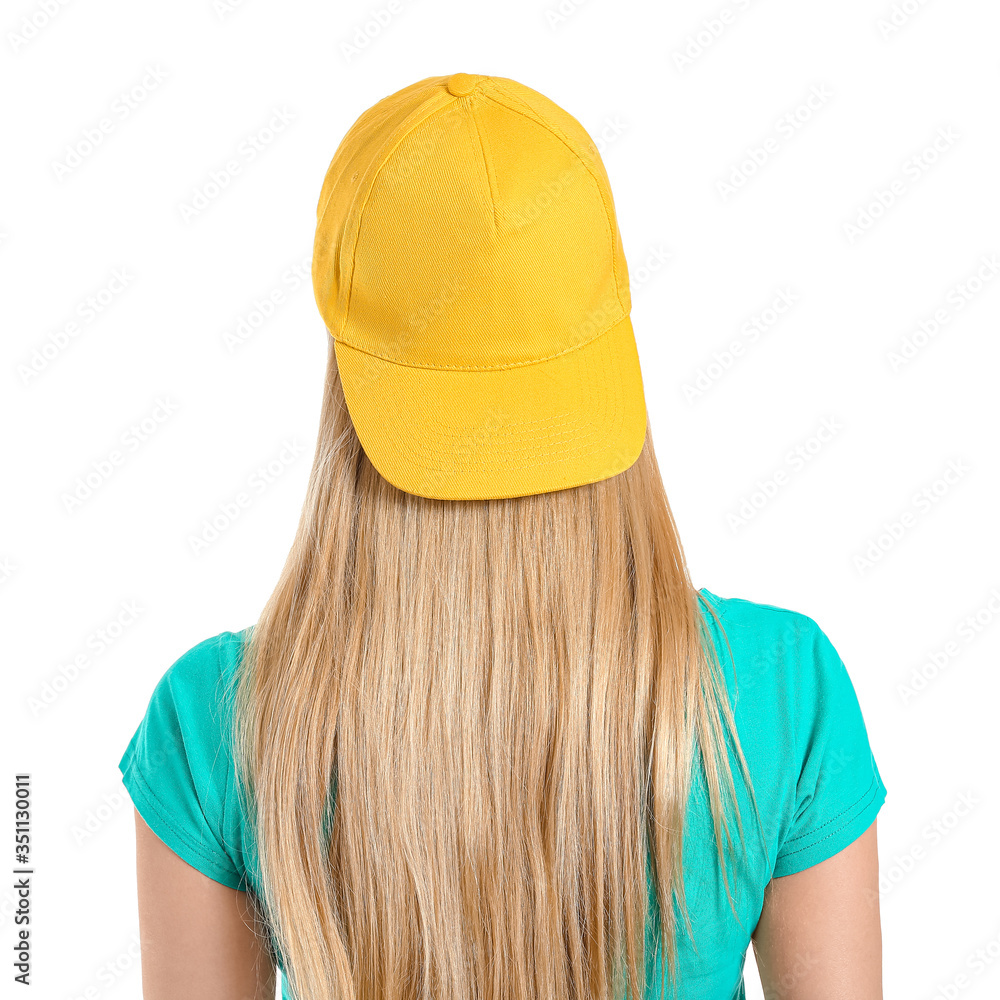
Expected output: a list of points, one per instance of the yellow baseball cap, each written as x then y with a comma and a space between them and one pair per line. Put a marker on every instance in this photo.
468, 265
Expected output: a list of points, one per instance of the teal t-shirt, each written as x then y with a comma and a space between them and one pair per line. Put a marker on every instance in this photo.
799, 722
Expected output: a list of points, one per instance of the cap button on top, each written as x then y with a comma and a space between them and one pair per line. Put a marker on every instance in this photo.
462, 84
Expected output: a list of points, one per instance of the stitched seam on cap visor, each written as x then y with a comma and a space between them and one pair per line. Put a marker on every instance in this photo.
557, 447
490, 461
513, 430
491, 368
511, 433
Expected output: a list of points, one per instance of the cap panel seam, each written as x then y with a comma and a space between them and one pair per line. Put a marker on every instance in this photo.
414, 129
488, 165
367, 120
528, 112
417, 128
495, 368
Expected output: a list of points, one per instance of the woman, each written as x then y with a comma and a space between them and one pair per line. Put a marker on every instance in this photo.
486, 739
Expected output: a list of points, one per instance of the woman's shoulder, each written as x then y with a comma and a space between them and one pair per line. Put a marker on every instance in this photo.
801, 727
177, 766
220, 652
202, 675
744, 613
197, 686
764, 631
778, 659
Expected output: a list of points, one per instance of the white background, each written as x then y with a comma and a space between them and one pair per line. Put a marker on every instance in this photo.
670, 134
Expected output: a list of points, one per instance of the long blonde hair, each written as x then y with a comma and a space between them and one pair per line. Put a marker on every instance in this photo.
467, 727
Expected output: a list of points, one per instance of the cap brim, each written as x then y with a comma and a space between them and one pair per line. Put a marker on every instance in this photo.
453, 434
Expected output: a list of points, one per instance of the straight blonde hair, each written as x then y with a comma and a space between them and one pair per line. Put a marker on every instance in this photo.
466, 728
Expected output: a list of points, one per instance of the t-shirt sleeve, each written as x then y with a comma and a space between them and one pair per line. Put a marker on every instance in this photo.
177, 767
838, 791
